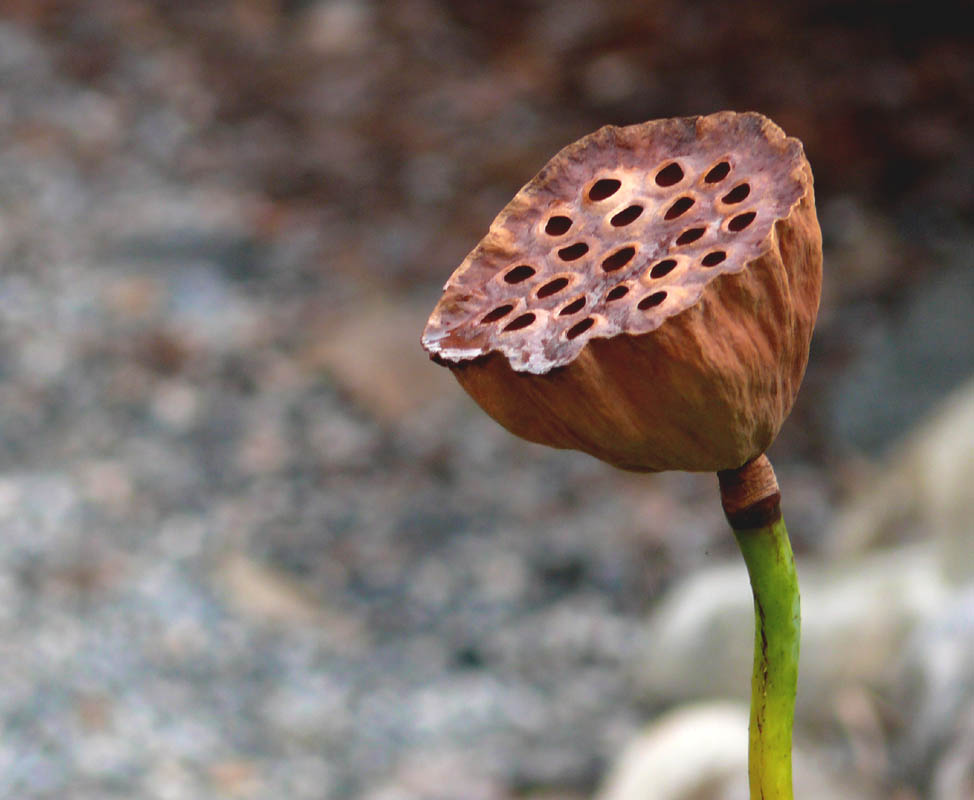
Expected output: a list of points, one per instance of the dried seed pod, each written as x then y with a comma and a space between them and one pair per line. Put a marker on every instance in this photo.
648, 297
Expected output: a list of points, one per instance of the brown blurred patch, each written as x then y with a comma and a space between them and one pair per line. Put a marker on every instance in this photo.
372, 351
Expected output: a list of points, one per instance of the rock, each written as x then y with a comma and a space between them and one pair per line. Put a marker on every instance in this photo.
439, 775
924, 487
264, 594
694, 752
234, 778
954, 775
931, 690
699, 752
856, 619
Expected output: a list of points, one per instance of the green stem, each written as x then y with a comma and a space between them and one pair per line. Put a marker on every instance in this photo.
751, 502
771, 567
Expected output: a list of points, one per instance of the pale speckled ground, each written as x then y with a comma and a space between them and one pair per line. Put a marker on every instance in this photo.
251, 543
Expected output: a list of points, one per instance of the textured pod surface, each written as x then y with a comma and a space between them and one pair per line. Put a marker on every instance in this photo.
648, 297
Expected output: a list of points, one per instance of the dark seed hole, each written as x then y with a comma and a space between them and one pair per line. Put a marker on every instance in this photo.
669, 175
556, 226
552, 287
519, 274
663, 268
615, 294
603, 188
573, 307
736, 194
619, 259
713, 259
689, 235
718, 173
573, 252
498, 313
652, 300
521, 322
627, 216
580, 327
741, 221
679, 208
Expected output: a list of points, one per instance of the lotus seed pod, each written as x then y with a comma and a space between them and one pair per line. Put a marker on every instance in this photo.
648, 297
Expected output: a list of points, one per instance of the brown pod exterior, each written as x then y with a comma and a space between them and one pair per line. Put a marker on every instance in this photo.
648, 297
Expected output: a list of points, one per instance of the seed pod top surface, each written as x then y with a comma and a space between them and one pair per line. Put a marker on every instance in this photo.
644, 269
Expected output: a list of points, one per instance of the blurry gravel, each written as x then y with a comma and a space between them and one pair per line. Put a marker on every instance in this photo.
251, 543
220, 578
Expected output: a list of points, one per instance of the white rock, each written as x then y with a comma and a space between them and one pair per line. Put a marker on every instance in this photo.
932, 691
699, 752
856, 619
687, 753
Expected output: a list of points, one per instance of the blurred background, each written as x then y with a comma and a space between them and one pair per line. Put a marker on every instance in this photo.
253, 544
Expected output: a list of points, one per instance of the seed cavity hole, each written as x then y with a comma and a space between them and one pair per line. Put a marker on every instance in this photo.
679, 208
573, 307
552, 287
558, 226
741, 221
717, 173
519, 274
579, 328
573, 252
670, 174
714, 258
617, 293
651, 301
690, 235
521, 322
626, 217
737, 194
618, 259
601, 189
665, 267
498, 313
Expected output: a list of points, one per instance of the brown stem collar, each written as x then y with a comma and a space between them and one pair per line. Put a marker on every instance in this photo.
750, 495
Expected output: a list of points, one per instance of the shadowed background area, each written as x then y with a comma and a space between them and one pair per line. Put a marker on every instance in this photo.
253, 544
